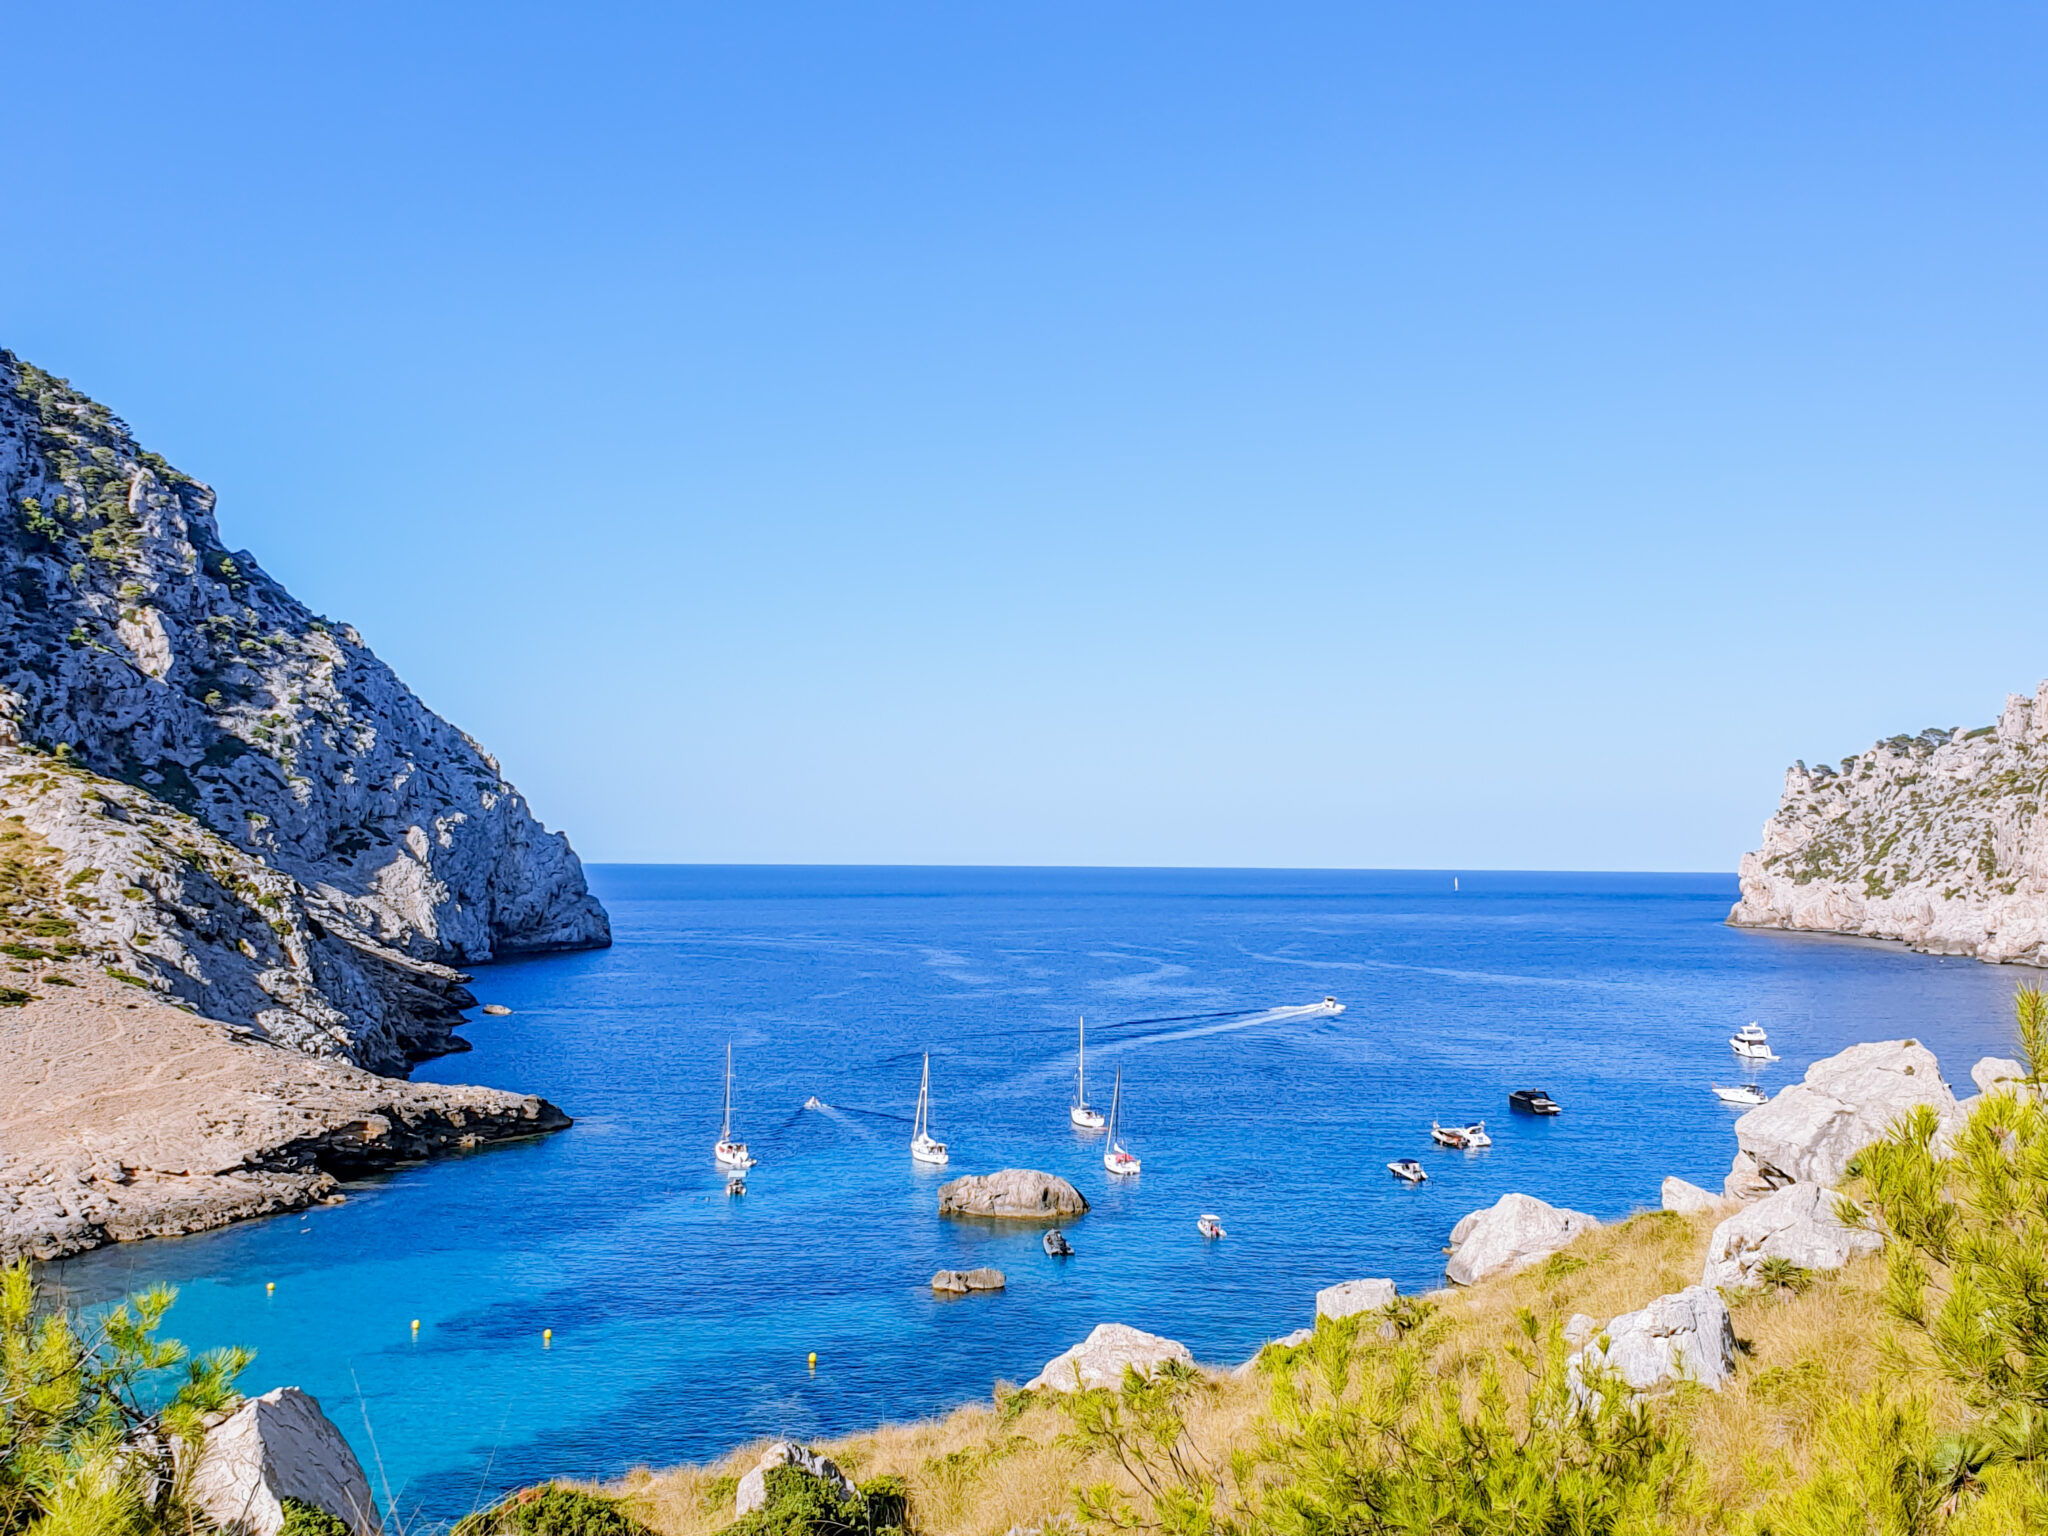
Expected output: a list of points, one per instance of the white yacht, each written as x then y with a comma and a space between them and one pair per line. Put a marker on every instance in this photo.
1751, 1042
1083, 1117
1475, 1135
1409, 1169
729, 1153
1747, 1095
1116, 1159
1210, 1225
922, 1147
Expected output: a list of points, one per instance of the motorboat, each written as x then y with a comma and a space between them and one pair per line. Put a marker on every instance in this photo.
1447, 1135
1116, 1159
736, 1185
1057, 1246
1475, 1135
1083, 1117
1534, 1101
922, 1147
1752, 1043
1409, 1169
728, 1153
1747, 1094
814, 1102
1329, 1007
1210, 1226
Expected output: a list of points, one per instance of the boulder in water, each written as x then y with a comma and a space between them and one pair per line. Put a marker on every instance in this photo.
958, 1282
1022, 1194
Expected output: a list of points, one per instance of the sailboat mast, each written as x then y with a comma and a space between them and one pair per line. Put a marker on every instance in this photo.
726, 1134
1081, 1069
1116, 1099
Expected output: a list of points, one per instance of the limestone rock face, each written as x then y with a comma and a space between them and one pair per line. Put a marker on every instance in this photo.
292, 839
1809, 1132
1016, 1193
1686, 1199
275, 1447
960, 1281
1099, 1359
1686, 1336
1513, 1233
1354, 1296
2001, 1074
753, 1490
1797, 1224
1936, 840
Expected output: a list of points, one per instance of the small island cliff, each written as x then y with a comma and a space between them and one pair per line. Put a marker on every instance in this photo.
220, 808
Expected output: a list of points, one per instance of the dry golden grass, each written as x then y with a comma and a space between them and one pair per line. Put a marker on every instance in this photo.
974, 1473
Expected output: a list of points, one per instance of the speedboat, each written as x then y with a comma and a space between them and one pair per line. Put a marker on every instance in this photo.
728, 1153
1210, 1226
1057, 1246
1084, 1118
922, 1147
814, 1102
1116, 1159
1475, 1135
1409, 1169
1447, 1135
1747, 1094
1752, 1043
1329, 1007
1533, 1101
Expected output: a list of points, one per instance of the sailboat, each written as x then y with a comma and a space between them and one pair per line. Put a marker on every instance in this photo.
1116, 1159
730, 1153
1079, 1112
922, 1147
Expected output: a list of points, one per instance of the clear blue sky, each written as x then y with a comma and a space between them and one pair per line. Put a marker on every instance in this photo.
1443, 436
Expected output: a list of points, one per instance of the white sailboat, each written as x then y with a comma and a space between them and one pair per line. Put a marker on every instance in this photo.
1116, 1159
729, 1153
922, 1147
1079, 1112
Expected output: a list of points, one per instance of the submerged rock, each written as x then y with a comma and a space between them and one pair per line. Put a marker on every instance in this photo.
1810, 1131
1513, 1233
1686, 1336
1099, 1359
753, 1490
1018, 1193
1797, 1224
960, 1281
275, 1447
1354, 1296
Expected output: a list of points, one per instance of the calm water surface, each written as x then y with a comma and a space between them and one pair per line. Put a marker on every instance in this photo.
682, 1319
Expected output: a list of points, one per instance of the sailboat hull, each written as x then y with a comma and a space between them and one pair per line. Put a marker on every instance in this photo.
1120, 1162
1087, 1119
729, 1154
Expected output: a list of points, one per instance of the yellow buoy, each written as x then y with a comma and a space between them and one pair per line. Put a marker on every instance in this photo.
270, 1287
415, 1325
547, 1337
814, 1359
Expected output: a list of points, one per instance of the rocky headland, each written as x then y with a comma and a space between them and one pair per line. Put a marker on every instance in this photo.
1935, 840
241, 864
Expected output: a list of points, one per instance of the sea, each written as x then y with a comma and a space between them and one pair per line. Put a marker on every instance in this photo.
594, 1301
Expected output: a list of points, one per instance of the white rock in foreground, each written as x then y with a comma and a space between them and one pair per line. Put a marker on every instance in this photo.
275, 1447
1510, 1234
1686, 1336
1809, 1132
1797, 1224
2000, 1074
1099, 1359
753, 1490
1354, 1296
1687, 1199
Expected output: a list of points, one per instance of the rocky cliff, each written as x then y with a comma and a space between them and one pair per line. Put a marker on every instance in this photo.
230, 797
1935, 839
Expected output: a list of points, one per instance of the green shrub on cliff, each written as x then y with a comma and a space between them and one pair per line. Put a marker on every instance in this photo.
552, 1510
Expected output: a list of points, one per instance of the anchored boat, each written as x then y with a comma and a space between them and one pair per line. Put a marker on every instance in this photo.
1752, 1043
729, 1153
1533, 1101
1210, 1226
1409, 1169
1056, 1245
1116, 1159
1746, 1094
1079, 1112
922, 1147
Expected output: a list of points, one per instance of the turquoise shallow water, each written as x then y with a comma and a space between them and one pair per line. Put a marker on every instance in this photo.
682, 1320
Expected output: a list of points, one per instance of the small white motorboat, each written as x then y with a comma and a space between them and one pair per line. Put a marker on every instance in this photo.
1056, 1245
1329, 1007
728, 1153
1752, 1043
1210, 1226
922, 1147
1748, 1095
814, 1102
1409, 1169
736, 1185
1475, 1135
1447, 1135
1084, 1118
1116, 1159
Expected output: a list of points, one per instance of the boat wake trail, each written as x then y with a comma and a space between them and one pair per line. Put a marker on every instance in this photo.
1264, 1016
841, 1111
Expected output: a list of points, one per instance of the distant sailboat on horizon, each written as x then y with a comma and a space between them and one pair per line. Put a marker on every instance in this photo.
1085, 1118
729, 1153
922, 1147
1116, 1159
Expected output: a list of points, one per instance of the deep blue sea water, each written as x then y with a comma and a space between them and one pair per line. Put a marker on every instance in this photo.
682, 1319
